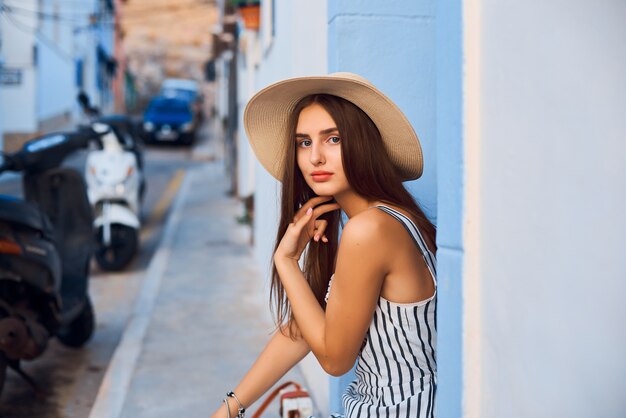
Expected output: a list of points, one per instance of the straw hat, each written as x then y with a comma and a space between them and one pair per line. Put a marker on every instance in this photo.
267, 114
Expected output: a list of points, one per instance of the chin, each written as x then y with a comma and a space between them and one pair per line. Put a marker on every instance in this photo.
328, 189
323, 189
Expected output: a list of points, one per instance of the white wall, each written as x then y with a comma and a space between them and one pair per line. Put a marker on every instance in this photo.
85, 41
18, 101
47, 88
247, 63
546, 173
298, 48
55, 67
18, 105
17, 40
85, 50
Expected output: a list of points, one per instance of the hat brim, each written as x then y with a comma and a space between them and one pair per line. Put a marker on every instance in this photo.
267, 114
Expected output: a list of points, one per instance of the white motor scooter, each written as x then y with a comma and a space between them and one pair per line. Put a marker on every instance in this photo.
114, 188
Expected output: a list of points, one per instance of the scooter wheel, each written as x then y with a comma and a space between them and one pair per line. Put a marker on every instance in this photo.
77, 333
114, 257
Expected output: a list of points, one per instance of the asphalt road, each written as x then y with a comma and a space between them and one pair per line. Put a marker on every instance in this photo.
70, 378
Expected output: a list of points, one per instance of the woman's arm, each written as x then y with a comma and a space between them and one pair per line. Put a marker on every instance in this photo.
336, 336
280, 354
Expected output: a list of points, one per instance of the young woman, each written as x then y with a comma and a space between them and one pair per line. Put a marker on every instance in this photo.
338, 144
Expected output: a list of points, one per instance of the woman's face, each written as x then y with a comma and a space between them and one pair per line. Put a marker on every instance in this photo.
318, 152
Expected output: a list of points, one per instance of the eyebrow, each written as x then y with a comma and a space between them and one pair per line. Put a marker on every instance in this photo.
322, 132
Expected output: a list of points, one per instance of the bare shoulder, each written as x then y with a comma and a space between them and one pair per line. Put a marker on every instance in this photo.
368, 227
380, 227
364, 254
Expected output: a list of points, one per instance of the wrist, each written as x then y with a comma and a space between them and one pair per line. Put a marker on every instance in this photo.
232, 407
282, 261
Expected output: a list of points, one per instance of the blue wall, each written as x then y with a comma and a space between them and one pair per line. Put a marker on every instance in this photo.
393, 45
450, 207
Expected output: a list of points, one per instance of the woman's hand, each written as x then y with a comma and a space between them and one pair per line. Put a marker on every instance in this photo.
305, 226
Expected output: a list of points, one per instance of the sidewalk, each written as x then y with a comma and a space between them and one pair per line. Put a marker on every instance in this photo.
201, 317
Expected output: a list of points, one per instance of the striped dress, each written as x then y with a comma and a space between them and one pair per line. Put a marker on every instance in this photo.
396, 369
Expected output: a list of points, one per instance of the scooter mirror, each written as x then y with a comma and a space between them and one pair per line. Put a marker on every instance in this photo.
100, 128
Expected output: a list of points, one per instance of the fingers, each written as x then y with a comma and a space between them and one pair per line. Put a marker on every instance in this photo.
307, 218
320, 228
317, 200
319, 210
300, 222
314, 228
322, 209
321, 223
311, 203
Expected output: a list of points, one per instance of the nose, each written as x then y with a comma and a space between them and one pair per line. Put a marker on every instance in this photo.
316, 157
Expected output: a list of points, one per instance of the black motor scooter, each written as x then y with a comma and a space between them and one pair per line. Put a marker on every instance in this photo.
46, 242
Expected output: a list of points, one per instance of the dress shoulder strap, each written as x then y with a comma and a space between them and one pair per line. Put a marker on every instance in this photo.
415, 233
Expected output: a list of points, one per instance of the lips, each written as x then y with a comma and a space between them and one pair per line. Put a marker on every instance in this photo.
321, 176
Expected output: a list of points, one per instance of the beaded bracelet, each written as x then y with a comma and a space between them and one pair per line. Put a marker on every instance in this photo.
241, 413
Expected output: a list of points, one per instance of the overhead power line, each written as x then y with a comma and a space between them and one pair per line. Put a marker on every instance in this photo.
44, 15
134, 15
88, 21
34, 31
126, 11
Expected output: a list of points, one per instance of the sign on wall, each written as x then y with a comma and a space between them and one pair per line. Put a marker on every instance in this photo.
10, 76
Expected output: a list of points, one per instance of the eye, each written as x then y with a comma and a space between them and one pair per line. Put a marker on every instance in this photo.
334, 140
304, 143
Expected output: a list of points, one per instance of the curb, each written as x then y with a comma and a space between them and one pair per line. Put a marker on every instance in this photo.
113, 389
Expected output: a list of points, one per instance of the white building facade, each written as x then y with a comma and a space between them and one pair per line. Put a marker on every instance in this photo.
51, 50
292, 42
19, 78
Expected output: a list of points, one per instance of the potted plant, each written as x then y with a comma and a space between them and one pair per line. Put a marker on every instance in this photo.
250, 12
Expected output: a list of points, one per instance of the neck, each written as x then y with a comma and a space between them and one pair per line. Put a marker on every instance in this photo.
353, 204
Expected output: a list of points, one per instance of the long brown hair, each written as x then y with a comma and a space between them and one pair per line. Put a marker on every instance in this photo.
370, 173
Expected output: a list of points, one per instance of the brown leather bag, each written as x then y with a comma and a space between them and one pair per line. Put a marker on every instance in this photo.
294, 403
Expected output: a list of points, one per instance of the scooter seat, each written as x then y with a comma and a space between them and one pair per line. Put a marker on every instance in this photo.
18, 211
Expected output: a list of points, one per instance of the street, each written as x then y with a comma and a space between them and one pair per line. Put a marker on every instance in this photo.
70, 378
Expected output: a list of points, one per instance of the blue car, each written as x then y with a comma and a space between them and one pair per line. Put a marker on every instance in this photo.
170, 119
185, 89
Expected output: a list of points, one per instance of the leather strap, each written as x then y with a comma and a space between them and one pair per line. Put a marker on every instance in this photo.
271, 397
